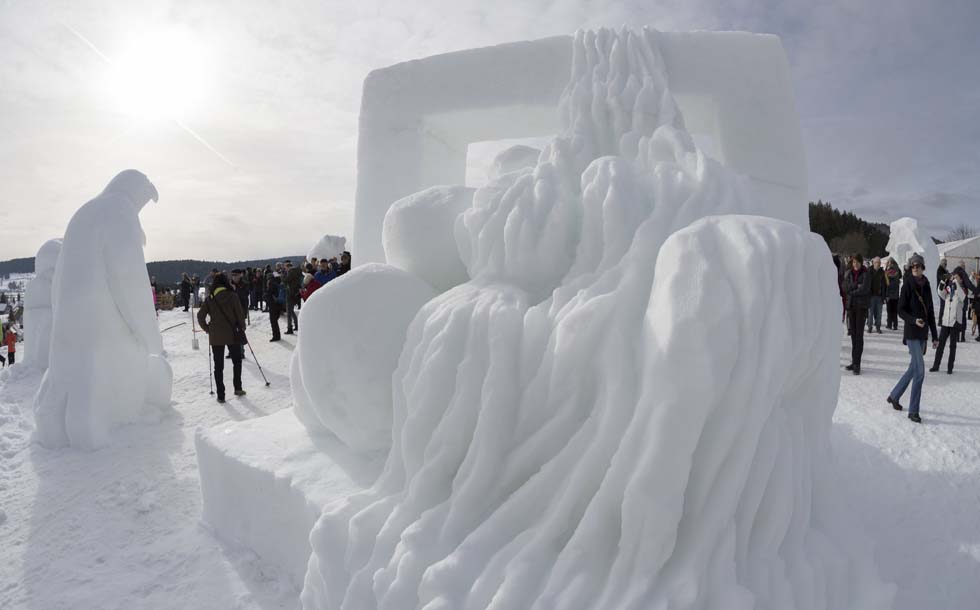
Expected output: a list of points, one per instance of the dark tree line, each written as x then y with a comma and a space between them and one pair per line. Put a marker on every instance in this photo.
166, 272
846, 233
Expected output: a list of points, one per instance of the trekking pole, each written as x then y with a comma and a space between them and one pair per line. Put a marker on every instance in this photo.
194, 343
257, 362
210, 375
171, 327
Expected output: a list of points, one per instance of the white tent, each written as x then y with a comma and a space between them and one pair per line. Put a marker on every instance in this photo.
964, 249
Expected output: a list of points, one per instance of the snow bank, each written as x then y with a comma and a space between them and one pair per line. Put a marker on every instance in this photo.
329, 246
105, 358
418, 235
37, 304
609, 415
351, 332
265, 481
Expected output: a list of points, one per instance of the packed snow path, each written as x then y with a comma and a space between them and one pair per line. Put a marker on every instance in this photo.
915, 488
120, 528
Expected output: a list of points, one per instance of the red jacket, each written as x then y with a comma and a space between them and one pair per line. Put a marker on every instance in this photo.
10, 339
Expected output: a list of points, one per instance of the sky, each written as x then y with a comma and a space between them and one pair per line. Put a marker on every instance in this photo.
244, 114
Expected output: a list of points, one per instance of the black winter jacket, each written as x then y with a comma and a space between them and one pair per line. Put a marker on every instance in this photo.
272, 291
858, 292
877, 280
893, 284
916, 303
241, 291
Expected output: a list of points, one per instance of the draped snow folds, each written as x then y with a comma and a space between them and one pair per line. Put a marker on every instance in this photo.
626, 403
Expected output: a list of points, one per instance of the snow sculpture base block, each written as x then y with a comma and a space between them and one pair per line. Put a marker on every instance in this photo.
265, 482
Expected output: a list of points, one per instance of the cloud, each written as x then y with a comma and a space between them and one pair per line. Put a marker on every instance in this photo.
885, 92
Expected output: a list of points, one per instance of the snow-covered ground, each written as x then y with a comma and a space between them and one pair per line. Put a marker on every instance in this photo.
915, 488
120, 527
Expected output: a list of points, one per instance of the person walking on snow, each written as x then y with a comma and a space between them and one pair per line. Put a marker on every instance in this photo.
10, 342
915, 309
185, 290
273, 304
953, 295
969, 288
893, 287
878, 286
294, 283
857, 287
222, 318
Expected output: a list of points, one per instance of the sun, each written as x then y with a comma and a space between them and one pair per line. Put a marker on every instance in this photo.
164, 74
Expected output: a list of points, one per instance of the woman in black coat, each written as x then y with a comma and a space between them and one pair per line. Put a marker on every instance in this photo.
857, 288
915, 308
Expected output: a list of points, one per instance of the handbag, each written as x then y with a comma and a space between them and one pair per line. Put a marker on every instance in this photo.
925, 310
237, 332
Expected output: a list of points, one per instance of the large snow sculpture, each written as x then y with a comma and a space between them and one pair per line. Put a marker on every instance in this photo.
417, 118
351, 333
37, 304
106, 362
622, 409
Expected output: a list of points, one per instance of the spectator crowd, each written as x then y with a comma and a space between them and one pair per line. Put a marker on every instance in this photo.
907, 295
224, 312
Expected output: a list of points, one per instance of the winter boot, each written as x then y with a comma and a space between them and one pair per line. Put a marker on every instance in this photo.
895, 404
915, 417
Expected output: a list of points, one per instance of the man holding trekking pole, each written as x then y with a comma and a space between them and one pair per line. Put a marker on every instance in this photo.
222, 318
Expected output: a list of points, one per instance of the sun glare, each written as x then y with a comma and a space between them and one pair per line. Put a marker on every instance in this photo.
160, 75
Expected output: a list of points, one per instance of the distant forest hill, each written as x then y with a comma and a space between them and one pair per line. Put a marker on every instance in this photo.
846, 233
166, 272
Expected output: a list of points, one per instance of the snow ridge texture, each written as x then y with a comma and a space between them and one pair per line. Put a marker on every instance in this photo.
608, 414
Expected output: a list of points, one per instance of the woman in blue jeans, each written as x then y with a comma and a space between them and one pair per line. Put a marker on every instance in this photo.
915, 308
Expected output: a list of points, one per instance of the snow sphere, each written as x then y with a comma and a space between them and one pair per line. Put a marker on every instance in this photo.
352, 332
418, 235
513, 159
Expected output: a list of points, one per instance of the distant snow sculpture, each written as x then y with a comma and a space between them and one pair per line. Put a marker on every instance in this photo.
106, 362
37, 304
907, 238
512, 159
608, 414
329, 246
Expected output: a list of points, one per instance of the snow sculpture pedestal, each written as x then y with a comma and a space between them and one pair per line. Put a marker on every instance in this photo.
265, 482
